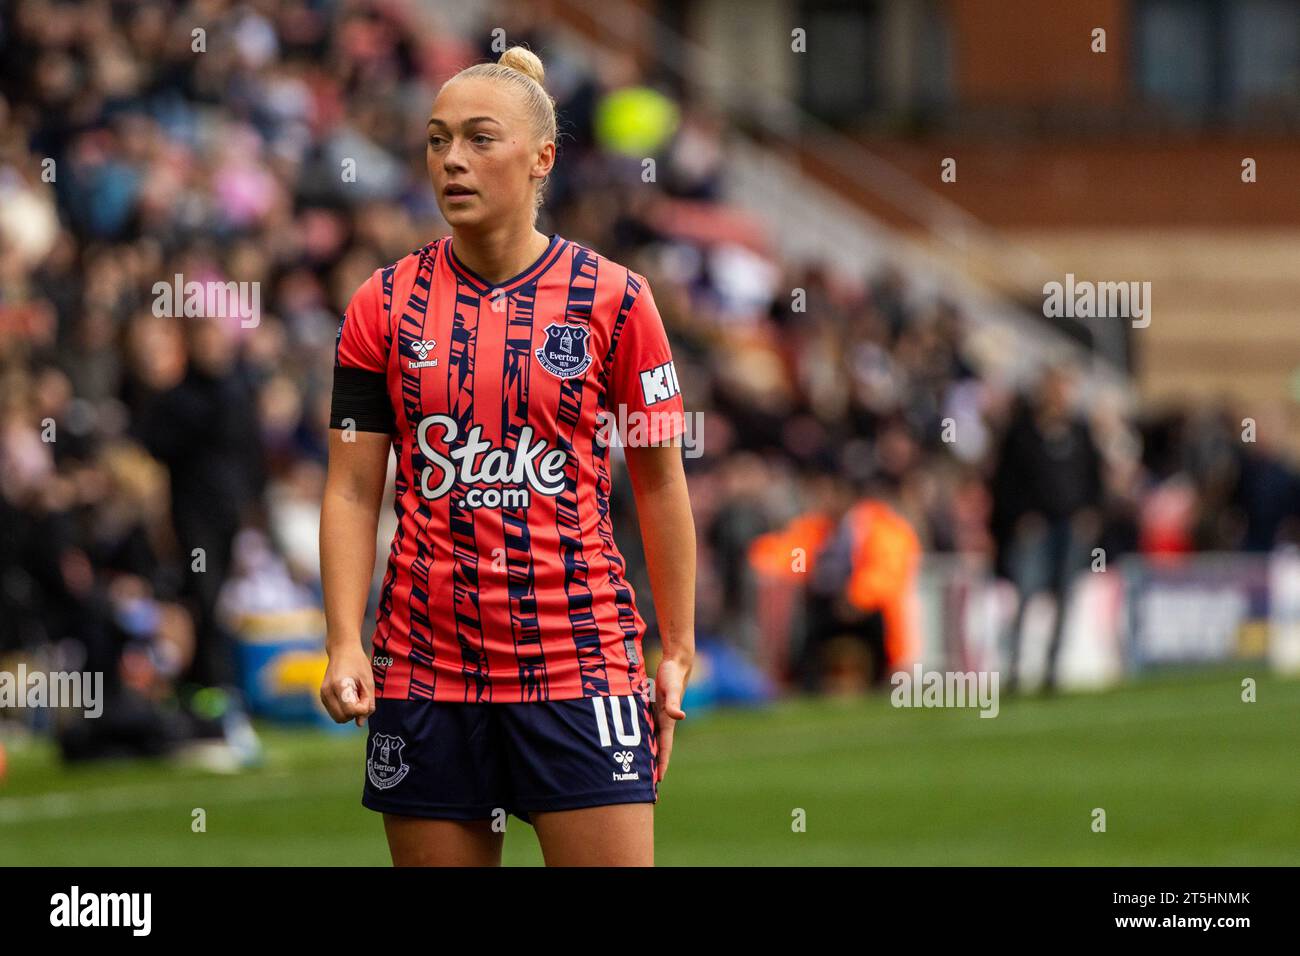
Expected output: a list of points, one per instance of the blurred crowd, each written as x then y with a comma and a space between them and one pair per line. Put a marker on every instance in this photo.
159, 475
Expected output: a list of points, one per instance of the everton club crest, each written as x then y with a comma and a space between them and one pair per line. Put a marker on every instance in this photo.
385, 767
564, 354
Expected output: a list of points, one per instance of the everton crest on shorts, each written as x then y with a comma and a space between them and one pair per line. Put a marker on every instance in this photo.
564, 354
384, 766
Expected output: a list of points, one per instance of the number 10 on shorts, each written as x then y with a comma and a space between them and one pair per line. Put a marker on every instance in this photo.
611, 707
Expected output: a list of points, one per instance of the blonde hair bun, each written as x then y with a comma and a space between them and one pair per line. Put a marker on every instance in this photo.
525, 61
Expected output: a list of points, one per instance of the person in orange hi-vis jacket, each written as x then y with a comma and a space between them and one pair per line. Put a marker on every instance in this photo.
886, 556
781, 560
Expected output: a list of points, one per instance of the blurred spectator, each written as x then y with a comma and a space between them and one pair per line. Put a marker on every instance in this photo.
204, 431
1047, 488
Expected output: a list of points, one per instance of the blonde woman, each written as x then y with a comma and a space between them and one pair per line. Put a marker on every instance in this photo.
507, 672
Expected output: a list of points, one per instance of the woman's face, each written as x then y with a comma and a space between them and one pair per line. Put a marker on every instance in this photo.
482, 156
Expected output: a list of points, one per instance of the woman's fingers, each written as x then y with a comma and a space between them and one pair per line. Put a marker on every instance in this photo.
672, 699
367, 695
352, 701
668, 715
358, 698
665, 747
329, 697
347, 698
348, 693
365, 699
668, 710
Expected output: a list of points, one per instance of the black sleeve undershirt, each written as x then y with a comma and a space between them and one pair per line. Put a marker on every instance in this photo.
362, 396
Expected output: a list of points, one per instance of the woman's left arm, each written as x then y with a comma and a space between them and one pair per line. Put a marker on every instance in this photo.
663, 508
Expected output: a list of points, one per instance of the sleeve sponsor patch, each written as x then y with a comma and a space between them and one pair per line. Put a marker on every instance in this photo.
659, 383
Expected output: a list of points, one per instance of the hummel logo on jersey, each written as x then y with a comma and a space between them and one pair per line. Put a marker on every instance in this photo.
564, 354
476, 463
659, 383
422, 350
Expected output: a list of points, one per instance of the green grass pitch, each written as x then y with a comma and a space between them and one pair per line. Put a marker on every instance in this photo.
1186, 772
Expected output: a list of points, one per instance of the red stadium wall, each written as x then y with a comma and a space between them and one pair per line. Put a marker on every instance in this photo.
1030, 53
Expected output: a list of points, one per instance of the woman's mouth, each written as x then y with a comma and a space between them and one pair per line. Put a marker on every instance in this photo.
457, 193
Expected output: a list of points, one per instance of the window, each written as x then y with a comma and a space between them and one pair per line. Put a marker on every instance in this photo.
1218, 59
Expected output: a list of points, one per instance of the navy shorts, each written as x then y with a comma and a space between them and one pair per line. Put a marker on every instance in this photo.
459, 761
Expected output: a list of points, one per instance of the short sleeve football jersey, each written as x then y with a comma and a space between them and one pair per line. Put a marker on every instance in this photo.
504, 582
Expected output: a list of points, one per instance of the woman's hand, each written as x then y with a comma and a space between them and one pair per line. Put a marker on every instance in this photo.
348, 690
670, 684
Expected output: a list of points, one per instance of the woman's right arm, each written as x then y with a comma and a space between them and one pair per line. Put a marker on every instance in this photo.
349, 522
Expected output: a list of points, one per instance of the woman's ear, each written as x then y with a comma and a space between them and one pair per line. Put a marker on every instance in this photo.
545, 161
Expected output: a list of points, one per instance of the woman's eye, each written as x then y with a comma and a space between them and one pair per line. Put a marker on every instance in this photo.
479, 139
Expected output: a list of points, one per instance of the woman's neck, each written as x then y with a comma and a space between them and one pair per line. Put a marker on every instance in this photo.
498, 254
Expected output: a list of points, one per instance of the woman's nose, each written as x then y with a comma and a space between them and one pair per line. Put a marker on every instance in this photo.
452, 158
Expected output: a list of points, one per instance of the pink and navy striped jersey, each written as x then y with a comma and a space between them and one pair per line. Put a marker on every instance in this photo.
504, 582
